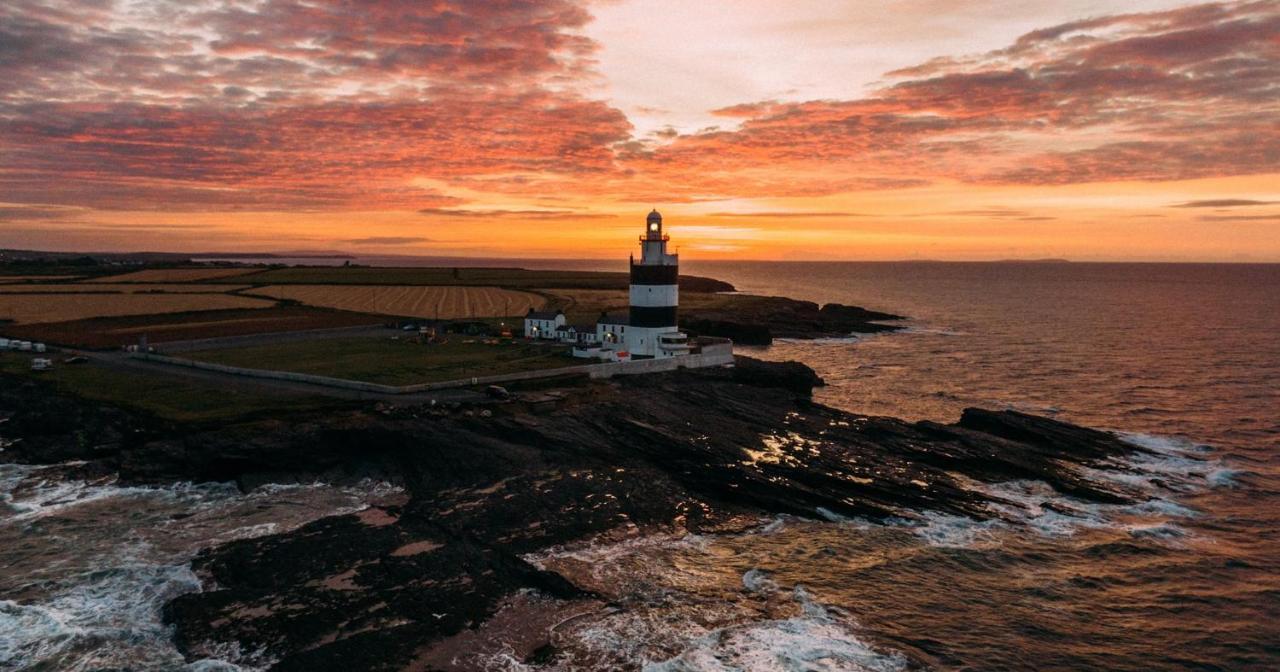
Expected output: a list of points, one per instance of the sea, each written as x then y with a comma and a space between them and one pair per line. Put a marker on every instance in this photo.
1181, 359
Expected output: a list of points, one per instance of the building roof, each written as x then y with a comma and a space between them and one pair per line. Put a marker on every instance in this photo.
614, 318
542, 314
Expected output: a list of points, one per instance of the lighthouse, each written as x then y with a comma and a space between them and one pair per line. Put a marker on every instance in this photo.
649, 329
655, 292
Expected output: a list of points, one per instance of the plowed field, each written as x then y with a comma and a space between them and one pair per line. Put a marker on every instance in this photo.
433, 302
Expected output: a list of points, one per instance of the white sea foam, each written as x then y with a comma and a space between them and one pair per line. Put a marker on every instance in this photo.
99, 605
1035, 505
936, 331
601, 556
117, 604
1163, 444
1157, 531
826, 340
775, 525
813, 640
757, 580
1224, 478
950, 531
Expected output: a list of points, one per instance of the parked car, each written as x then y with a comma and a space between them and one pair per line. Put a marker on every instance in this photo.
497, 392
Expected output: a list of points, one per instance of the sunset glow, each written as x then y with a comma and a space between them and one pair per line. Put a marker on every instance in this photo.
526, 128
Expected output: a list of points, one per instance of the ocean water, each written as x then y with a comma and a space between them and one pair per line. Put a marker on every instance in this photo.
1181, 359
85, 567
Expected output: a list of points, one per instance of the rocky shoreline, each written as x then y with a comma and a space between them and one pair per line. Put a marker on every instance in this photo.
400, 584
757, 320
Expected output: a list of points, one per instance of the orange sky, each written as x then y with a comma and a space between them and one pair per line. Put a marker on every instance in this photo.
807, 130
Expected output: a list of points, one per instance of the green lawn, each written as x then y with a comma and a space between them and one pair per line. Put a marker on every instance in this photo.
173, 397
393, 362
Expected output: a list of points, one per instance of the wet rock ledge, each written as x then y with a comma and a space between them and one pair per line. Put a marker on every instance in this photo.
396, 586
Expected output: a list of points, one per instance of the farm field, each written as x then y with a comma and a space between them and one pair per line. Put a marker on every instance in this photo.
393, 362
428, 302
113, 332
178, 275
514, 278
37, 308
502, 277
118, 288
587, 304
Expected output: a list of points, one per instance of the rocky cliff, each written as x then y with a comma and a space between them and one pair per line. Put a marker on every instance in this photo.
697, 451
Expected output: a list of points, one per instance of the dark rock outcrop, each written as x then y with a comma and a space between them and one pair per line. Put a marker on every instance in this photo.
740, 332
697, 283
791, 376
700, 450
757, 320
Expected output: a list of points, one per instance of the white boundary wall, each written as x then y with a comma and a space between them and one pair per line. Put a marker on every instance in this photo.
715, 354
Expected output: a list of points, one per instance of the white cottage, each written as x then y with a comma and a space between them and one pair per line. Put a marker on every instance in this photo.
543, 324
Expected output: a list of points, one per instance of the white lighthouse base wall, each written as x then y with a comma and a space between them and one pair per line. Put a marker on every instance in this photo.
720, 354
644, 341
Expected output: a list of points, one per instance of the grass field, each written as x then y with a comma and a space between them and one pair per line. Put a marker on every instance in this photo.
177, 275
118, 288
168, 396
429, 302
37, 308
393, 362
501, 277
113, 332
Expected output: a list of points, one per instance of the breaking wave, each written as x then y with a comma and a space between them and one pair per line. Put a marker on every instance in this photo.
816, 639
86, 594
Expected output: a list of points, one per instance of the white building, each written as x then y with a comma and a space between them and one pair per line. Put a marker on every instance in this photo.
577, 334
543, 324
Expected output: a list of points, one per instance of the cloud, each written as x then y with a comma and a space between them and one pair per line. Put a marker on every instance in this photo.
1222, 203
286, 105
386, 240
514, 214
786, 214
225, 105
22, 213
1180, 94
1240, 218
990, 212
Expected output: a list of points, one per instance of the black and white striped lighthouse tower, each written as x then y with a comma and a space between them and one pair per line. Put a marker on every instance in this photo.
655, 296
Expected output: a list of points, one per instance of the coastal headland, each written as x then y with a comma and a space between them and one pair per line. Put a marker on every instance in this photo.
408, 583
489, 481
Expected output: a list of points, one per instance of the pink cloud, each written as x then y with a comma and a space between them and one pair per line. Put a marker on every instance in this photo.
339, 104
